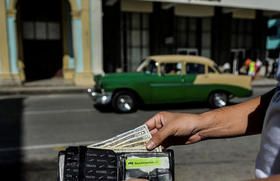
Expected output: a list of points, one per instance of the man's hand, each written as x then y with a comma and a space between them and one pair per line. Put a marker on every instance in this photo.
173, 129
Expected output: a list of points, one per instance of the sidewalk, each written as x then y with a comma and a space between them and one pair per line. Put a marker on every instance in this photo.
264, 82
48, 86
59, 86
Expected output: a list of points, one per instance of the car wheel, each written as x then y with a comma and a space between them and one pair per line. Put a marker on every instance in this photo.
218, 99
124, 102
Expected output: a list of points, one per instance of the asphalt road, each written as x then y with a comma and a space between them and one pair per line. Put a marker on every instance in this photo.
34, 128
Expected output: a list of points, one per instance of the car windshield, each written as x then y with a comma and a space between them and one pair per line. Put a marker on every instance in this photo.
217, 68
148, 66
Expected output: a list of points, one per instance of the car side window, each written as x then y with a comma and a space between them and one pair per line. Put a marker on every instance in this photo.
195, 68
170, 68
210, 70
151, 67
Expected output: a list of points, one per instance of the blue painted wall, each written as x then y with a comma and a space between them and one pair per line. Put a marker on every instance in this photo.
78, 45
7, 4
0, 66
91, 35
12, 44
79, 3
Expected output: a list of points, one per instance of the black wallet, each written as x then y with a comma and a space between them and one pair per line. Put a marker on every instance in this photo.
90, 164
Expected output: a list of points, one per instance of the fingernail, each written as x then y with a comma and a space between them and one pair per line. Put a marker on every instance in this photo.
150, 145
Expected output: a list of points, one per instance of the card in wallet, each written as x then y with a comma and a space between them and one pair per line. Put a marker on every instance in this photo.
90, 164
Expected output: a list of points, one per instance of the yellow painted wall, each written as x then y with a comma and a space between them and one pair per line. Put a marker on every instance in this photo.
86, 36
136, 6
4, 49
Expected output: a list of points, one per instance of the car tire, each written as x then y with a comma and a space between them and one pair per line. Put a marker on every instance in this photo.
124, 102
218, 99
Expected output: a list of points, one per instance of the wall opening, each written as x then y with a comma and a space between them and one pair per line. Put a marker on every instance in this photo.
40, 26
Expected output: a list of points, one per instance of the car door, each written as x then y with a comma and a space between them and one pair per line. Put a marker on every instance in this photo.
167, 85
193, 91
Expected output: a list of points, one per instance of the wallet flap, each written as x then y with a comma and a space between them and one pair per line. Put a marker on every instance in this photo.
154, 166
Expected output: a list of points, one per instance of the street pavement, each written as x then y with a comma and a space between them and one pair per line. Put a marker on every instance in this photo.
34, 128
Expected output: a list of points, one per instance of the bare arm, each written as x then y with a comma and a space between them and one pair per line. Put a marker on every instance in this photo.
241, 119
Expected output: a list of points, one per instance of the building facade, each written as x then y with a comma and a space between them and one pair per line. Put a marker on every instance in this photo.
44, 39
223, 30
76, 39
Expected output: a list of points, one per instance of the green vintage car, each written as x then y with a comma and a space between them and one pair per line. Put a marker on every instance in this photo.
169, 79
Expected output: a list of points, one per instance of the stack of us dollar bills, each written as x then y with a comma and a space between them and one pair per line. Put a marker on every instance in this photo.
134, 140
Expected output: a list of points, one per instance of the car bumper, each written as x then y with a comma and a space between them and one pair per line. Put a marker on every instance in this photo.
99, 98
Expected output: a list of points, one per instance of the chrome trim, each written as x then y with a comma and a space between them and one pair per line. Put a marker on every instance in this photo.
100, 98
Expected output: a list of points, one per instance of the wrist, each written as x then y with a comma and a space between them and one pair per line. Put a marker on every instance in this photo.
206, 122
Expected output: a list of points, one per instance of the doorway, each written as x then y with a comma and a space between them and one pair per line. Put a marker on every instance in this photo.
237, 59
40, 24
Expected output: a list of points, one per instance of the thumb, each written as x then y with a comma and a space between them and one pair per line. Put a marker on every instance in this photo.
158, 138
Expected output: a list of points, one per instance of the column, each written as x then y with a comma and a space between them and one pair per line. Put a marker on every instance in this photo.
11, 25
162, 35
83, 72
259, 35
96, 36
78, 42
111, 39
86, 35
221, 36
4, 49
67, 33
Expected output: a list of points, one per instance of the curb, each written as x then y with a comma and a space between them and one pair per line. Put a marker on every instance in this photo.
41, 91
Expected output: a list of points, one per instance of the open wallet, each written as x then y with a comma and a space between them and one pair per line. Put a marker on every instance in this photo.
91, 164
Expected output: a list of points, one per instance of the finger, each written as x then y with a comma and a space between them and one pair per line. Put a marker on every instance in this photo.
153, 131
151, 123
193, 139
154, 122
158, 138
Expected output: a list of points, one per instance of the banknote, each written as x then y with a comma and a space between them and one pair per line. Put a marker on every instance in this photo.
137, 135
135, 150
138, 145
134, 140
115, 138
144, 138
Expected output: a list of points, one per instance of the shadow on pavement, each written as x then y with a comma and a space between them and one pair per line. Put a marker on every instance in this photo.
161, 107
45, 170
10, 138
12, 166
